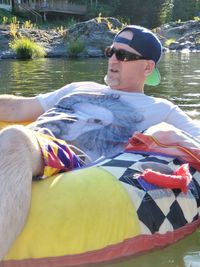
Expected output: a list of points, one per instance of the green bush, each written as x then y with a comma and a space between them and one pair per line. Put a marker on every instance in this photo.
75, 47
26, 48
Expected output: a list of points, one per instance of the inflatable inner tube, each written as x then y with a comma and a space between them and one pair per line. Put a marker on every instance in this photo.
104, 212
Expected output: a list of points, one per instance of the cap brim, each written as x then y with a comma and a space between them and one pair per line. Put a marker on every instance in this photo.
154, 78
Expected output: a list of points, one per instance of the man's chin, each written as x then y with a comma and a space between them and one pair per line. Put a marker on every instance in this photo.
113, 83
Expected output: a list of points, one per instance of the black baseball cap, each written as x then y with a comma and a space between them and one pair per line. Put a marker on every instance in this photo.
147, 44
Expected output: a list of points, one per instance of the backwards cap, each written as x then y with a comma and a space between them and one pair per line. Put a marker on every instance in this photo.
146, 44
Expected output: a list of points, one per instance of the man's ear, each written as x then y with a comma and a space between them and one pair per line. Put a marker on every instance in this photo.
149, 67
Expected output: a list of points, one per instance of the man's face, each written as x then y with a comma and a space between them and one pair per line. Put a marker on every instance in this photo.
126, 75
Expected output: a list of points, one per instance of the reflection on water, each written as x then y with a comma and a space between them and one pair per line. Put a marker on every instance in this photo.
42, 75
180, 84
192, 260
180, 81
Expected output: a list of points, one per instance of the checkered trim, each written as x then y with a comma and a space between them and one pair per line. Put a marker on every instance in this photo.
159, 210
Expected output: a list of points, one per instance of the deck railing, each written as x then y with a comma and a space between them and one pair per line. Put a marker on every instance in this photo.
34, 13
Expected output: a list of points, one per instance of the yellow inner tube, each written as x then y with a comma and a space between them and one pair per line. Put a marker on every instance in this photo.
76, 212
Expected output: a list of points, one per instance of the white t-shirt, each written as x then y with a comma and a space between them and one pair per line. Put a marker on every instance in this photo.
100, 120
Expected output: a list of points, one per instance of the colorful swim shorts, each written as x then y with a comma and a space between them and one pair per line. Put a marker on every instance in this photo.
57, 155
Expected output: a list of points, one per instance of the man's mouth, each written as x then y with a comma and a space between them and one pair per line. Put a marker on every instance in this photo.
113, 70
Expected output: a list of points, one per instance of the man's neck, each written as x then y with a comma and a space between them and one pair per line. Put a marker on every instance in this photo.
129, 90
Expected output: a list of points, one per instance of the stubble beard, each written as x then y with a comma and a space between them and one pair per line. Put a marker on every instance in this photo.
113, 83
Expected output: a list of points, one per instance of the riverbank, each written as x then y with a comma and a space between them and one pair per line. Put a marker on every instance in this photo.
96, 34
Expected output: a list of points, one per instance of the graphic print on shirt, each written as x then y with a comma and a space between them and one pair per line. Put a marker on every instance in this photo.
99, 124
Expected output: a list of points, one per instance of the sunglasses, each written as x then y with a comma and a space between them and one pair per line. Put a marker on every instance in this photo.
121, 55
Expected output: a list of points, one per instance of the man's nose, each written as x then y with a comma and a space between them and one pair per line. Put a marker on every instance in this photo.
113, 58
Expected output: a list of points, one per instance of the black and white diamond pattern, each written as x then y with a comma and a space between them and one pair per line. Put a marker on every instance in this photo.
159, 210
148, 211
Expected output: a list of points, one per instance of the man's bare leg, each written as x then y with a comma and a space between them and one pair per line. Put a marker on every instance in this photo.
20, 159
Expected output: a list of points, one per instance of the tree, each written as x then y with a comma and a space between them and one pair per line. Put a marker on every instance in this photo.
184, 9
13, 5
197, 8
146, 14
166, 11
149, 13
106, 8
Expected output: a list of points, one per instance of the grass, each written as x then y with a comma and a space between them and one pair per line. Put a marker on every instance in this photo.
26, 48
75, 48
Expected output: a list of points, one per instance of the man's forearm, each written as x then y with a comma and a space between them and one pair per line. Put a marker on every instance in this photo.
8, 107
18, 108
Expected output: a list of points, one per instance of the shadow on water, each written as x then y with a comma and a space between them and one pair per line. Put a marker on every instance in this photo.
180, 84
184, 253
181, 254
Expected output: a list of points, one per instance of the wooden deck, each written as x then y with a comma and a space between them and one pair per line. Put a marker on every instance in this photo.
57, 6
39, 9
65, 8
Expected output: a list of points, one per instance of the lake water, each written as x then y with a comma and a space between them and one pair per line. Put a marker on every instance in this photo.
180, 83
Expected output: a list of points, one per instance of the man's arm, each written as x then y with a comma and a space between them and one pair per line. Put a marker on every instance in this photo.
179, 119
18, 108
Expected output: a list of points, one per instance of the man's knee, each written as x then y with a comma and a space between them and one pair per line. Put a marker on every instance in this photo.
10, 131
19, 139
13, 136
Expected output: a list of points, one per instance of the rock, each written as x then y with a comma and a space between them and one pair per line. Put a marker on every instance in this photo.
174, 46
8, 55
198, 47
186, 35
4, 41
95, 34
94, 52
56, 53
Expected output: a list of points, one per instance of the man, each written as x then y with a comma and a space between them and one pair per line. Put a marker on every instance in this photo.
95, 118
